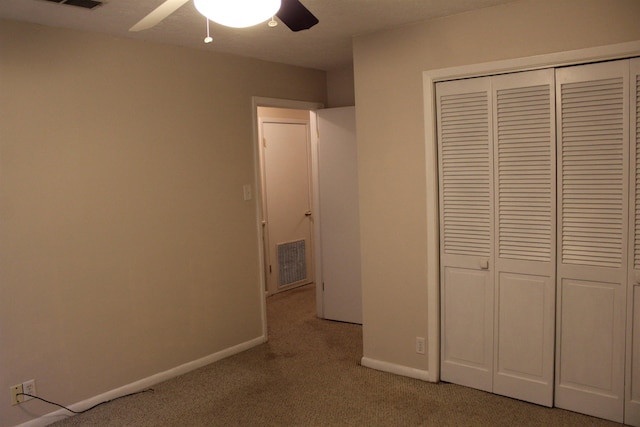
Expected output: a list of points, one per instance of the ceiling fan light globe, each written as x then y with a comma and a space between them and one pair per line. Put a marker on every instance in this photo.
237, 13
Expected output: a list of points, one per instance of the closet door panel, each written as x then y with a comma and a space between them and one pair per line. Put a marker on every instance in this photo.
466, 231
525, 211
466, 348
521, 299
588, 313
593, 144
632, 401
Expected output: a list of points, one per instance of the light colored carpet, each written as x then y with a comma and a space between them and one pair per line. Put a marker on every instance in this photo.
308, 374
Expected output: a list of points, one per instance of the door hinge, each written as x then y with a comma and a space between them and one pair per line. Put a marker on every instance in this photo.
322, 286
269, 269
264, 142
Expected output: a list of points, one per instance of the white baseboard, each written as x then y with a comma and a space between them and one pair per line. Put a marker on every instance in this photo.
392, 368
144, 383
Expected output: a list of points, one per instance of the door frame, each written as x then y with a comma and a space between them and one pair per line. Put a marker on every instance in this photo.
257, 101
429, 79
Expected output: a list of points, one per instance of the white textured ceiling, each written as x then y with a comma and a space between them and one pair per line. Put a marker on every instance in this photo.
326, 46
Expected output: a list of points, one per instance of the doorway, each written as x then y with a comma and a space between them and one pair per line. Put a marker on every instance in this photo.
287, 221
334, 223
274, 103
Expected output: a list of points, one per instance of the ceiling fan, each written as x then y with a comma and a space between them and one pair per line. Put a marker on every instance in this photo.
291, 12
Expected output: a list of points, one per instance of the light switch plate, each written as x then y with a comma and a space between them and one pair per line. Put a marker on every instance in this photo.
246, 192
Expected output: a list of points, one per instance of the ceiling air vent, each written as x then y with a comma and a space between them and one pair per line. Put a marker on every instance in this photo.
87, 4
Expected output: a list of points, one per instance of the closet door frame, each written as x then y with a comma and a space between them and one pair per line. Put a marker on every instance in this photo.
430, 78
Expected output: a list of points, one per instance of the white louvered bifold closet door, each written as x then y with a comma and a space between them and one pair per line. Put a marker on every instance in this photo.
593, 176
632, 401
525, 211
496, 140
466, 231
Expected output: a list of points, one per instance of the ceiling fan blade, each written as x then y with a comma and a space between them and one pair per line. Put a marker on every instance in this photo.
158, 14
295, 16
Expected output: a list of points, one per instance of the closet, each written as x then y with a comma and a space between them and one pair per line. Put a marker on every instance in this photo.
539, 253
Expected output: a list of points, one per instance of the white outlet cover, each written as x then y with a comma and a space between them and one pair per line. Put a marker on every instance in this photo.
29, 387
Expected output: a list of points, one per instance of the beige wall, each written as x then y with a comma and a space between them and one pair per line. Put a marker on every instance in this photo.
126, 248
340, 88
391, 139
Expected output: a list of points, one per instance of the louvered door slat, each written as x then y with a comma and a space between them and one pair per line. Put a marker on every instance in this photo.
524, 171
581, 181
466, 174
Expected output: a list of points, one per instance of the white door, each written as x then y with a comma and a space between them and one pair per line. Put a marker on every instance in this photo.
525, 210
286, 180
497, 195
632, 401
594, 268
339, 215
465, 155
593, 178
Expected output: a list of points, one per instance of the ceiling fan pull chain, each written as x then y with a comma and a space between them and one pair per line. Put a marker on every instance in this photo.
208, 39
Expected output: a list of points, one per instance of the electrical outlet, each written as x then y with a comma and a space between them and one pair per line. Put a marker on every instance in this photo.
15, 398
29, 387
420, 345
